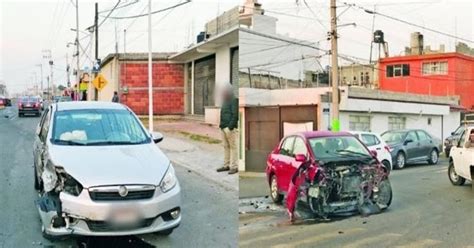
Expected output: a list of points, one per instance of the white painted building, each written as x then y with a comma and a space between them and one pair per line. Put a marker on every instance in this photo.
360, 110
264, 52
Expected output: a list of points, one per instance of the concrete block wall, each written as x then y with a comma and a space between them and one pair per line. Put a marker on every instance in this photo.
168, 87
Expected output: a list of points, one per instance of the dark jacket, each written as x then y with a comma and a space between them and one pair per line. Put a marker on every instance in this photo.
115, 98
229, 114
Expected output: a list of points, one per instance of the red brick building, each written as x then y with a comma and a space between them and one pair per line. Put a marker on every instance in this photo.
442, 74
128, 75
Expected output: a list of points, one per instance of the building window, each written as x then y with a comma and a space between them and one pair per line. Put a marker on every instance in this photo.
435, 68
396, 123
359, 123
399, 70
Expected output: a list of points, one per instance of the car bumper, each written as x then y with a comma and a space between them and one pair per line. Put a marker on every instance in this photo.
89, 218
29, 111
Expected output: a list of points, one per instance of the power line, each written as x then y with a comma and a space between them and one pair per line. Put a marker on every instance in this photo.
120, 7
153, 12
110, 12
409, 23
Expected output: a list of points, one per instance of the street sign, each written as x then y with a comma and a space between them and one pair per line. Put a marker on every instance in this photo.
96, 67
100, 82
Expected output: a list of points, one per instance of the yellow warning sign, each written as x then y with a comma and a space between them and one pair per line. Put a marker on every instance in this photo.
100, 82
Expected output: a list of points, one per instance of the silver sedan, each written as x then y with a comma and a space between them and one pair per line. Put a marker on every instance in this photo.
99, 173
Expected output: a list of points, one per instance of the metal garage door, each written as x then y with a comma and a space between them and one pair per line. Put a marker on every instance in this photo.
264, 129
204, 83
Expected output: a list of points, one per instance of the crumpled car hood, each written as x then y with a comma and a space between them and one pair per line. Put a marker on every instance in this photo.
111, 165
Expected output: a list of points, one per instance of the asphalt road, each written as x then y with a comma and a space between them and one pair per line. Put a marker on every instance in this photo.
427, 211
209, 212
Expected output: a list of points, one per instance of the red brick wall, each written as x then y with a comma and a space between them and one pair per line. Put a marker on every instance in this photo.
168, 87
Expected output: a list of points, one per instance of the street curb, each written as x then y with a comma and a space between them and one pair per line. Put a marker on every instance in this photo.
252, 174
204, 175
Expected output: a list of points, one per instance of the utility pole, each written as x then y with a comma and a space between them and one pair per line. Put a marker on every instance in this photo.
78, 77
334, 68
50, 90
96, 29
150, 78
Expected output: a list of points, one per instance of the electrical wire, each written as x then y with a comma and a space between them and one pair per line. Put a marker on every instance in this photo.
153, 12
372, 12
110, 12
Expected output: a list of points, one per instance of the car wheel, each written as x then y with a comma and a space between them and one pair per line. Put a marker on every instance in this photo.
453, 176
387, 165
400, 161
274, 194
384, 194
434, 157
20, 115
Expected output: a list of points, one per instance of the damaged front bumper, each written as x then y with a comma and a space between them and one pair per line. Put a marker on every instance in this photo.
80, 215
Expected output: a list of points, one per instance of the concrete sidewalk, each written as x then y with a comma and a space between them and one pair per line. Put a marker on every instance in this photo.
252, 185
196, 147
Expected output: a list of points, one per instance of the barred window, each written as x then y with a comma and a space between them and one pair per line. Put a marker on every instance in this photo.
359, 123
396, 123
435, 68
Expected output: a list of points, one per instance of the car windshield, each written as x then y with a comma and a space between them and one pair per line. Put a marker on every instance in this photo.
338, 147
29, 99
393, 137
97, 127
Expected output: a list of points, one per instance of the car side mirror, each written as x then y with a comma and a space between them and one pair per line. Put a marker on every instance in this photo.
300, 158
373, 153
407, 141
452, 133
157, 137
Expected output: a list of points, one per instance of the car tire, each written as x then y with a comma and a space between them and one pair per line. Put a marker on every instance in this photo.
20, 114
387, 165
274, 194
453, 176
400, 161
434, 157
386, 188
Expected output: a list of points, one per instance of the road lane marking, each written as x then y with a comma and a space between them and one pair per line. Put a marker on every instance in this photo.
420, 243
372, 240
318, 238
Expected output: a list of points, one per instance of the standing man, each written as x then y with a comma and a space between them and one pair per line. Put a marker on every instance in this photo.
115, 98
228, 126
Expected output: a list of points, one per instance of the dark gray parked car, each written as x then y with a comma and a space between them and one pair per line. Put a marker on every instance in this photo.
411, 146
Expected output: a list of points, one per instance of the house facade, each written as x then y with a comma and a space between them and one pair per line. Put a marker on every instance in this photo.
443, 74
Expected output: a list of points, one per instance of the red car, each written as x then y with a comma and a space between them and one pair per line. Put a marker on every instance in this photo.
29, 105
339, 174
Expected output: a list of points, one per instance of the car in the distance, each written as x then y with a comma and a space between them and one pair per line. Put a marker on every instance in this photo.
29, 105
412, 146
461, 158
5, 102
99, 172
375, 143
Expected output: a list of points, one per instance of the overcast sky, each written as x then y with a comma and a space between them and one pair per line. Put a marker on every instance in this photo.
453, 16
28, 27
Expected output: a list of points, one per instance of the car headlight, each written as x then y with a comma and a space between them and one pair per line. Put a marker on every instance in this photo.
169, 180
69, 184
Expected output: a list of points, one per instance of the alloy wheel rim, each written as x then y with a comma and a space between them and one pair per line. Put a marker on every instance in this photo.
384, 193
434, 156
401, 160
454, 175
274, 188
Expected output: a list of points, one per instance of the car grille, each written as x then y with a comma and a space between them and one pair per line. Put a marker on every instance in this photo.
114, 196
104, 226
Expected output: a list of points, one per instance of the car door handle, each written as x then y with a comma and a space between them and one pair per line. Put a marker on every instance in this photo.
378, 148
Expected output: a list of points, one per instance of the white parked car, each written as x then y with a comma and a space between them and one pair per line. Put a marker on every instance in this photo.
374, 142
461, 158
